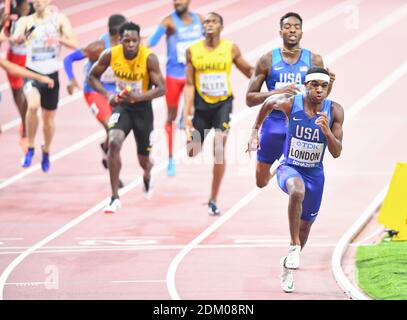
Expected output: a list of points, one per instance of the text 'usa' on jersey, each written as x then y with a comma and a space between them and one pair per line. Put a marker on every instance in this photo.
282, 73
305, 144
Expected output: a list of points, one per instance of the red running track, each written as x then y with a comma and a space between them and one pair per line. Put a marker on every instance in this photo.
53, 232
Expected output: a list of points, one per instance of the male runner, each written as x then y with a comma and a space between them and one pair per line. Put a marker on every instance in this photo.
283, 70
18, 55
98, 104
208, 89
314, 123
182, 28
51, 30
138, 82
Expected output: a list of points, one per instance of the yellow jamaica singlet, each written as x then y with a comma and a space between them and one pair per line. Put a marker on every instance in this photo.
133, 73
212, 70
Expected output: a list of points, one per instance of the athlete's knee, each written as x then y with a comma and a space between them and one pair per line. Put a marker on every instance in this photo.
261, 182
115, 142
297, 193
145, 162
262, 175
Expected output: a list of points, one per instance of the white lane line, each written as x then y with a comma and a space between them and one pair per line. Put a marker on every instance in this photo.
360, 104
138, 281
79, 250
29, 284
65, 152
242, 115
336, 262
370, 33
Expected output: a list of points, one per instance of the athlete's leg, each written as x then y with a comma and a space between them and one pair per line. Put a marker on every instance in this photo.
33, 105
272, 137
219, 166
305, 228
263, 174
296, 192
48, 117
174, 89
21, 103
202, 125
101, 109
116, 138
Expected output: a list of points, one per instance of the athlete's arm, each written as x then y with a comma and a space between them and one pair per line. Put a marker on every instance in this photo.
282, 102
165, 27
19, 71
189, 92
333, 135
96, 72
253, 95
156, 78
68, 38
241, 63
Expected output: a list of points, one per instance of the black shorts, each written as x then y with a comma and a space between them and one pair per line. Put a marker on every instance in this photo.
49, 97
208, 116
138, 118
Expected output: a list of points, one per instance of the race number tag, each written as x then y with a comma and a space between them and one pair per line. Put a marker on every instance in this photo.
136, 87
305, 153
214, 84
181, 50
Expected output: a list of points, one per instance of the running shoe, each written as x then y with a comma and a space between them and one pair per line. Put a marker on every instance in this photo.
171, 167
293, 257
286, 277
213, 209
28, 158
113, 206
104, 155
45, 162
148, 188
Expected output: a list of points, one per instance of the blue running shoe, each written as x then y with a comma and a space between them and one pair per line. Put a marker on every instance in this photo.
28, 158
171, 167
45, 163
213, 209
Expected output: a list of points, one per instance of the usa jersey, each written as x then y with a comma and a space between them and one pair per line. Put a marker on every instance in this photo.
305, 144
282, 74
178, 43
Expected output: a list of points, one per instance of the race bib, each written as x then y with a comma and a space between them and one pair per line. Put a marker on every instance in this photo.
304, 153
181, 50
136, 87
108, 76
214, 84
280, 85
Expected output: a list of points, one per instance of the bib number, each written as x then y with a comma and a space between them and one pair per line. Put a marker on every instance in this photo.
181, 51
214, 84
136, 87
305, 153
